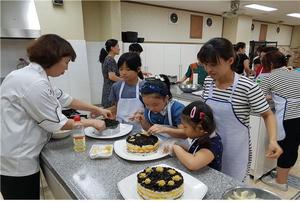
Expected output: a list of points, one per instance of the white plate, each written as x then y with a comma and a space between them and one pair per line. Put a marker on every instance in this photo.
124, 130
193, 188
121, 150
198, 93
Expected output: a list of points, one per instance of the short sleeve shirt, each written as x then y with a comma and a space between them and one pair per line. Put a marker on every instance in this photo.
199, 69
129, 91
240, 64
158, 118
214, 144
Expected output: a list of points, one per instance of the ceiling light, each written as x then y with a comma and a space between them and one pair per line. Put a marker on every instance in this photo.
261, 7
296, 15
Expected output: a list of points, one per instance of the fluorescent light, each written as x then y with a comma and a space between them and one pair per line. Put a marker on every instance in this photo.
296, 15
260, 7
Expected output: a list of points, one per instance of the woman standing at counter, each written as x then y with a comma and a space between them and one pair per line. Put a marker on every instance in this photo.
193, 68
231, 98
287, 102
110, 70
31, 111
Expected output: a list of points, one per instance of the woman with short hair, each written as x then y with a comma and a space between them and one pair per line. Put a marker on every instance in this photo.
31, 110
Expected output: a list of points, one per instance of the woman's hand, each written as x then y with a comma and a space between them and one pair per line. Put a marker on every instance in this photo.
98, 124
156, 128
274, 150
97, 111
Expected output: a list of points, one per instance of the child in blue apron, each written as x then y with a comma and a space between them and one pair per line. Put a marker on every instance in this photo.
206, 146
231, 98
162, 114
125, 95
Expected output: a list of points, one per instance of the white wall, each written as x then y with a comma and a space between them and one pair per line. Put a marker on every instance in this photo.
76, 80
11, 51
153, 24
95, 73
283, 37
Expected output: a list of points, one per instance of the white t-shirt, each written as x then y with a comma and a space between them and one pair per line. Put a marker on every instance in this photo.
30, 112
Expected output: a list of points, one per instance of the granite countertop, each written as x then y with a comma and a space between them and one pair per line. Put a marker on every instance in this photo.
84, 178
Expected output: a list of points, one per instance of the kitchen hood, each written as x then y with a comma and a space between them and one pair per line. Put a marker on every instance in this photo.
19, 19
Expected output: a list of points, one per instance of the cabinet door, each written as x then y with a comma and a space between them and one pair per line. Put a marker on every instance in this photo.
154, 60
188, 55
172, 59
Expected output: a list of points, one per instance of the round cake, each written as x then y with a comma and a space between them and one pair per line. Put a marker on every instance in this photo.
142, 143
160, 183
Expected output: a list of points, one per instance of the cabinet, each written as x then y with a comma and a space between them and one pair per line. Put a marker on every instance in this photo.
170, 59
260, 140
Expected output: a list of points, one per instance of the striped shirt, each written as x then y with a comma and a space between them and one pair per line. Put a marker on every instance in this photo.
247, 97
284, 83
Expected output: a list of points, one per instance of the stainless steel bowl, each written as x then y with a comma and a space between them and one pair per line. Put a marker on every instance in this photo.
260, 193
189, 88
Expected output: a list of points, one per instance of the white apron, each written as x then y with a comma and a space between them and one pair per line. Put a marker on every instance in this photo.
165, 136
280, 107
234, 135
128, 106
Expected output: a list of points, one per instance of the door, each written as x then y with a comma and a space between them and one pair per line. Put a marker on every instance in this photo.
154, 58
172, 59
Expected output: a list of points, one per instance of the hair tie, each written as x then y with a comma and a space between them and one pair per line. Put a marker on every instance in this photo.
202, 116
193, 112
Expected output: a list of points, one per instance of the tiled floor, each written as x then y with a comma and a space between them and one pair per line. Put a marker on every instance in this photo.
295, 171
47, 194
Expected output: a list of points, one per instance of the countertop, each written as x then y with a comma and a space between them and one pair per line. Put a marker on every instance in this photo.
84, 178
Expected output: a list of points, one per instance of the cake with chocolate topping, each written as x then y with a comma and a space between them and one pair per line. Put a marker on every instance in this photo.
110, 123
142, 143
160, 183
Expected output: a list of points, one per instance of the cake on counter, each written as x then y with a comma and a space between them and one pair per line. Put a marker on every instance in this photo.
160, 183
142, 143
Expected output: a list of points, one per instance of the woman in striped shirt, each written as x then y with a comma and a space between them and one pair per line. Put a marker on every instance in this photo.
231, 98
283, 84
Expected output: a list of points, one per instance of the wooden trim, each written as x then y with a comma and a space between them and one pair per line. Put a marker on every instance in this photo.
180, 9
271, 23
196, 27
263, 32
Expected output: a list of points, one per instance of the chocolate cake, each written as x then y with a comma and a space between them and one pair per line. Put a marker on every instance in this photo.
110, 123
142, 143
160, 183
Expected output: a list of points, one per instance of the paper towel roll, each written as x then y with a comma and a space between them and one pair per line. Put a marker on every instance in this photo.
195, 78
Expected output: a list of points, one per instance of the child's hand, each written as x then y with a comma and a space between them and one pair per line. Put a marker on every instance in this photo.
167, 147
138, 117
156, 128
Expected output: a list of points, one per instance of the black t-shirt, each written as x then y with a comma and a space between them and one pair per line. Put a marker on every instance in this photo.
241, 57
256, 61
